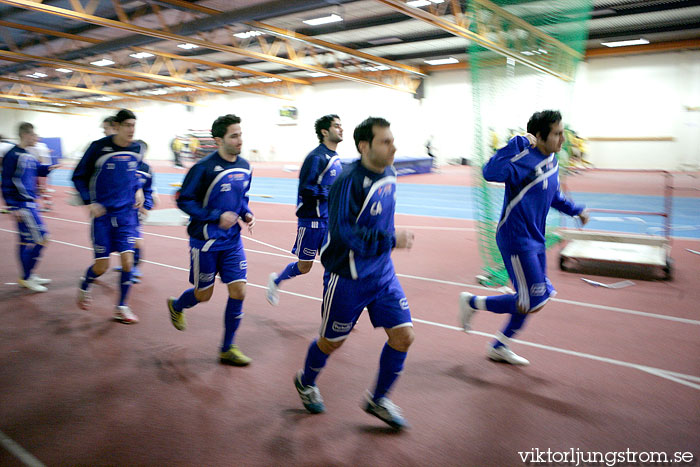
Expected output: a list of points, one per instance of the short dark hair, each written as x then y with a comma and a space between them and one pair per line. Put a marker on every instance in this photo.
109, 120
221, 124
24, 128
541, 122
124, 114
365, 130
324, 123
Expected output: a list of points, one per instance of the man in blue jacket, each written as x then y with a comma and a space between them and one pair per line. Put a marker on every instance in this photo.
107, 183
319, 170
215, 195
359, 271
20, 169
528, 167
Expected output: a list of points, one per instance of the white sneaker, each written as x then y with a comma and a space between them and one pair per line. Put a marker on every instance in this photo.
123, 314
39, 280
31, 285
466, 312
273, 290
504, 354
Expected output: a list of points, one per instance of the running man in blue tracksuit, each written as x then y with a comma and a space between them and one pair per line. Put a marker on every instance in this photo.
215, 195
528, 167
318, 172
107, 183
359, 271
20, 168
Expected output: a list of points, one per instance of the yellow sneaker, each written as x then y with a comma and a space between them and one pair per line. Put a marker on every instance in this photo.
234, 356
176, 317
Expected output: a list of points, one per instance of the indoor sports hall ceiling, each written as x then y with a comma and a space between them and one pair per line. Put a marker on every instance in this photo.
67, 54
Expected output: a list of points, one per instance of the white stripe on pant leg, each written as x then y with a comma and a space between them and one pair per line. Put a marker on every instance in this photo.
325, 309
523, 291
300, 236
327, 300
195, 266
31, 224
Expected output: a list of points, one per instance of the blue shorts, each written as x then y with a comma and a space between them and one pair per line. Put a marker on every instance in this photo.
528, 273
31, 227
230, 264
113, 232
344, 299
309, 240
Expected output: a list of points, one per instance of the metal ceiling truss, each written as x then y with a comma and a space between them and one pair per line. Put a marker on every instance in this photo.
499, 31
303, 58
165, 61
34, 109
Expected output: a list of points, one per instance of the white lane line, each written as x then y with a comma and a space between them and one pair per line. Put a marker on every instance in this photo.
679, 378
19, 452
444, 282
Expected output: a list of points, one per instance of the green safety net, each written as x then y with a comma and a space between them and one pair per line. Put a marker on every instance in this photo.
506, 91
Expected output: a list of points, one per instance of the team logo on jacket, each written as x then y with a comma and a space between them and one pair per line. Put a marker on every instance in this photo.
225, 187
376, 208
238, 176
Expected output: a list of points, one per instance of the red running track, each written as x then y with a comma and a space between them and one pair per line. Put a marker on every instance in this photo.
611, 370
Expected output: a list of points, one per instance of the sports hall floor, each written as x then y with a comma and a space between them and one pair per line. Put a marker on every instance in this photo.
611, 369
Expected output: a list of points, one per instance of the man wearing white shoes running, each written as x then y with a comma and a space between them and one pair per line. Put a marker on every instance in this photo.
359, 272
528, 167
318, 172
20, 169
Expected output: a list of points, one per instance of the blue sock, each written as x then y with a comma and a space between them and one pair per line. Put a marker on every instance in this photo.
35, 254
315, 361
186, 300
390, 366
125, 284
502, 303
89, 277
25, 258
232, 318
516, 322
292, 270
137, 256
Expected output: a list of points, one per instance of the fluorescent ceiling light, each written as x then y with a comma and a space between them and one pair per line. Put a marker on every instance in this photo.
103, 62
316, 74
625, 43
228, 84
141, 55
323, 20
103, 98
420, 3
64, 70
187, 46
441, 61
58, 104
268, 80
38, 74
384, 41
247, 34
157, 92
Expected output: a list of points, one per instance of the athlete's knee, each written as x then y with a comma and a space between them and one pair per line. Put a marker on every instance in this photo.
203, 295
305, 266
236, 290
401, 338
100, 266
327, 346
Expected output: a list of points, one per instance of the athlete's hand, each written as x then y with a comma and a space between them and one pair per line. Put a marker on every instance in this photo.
250, 220
96, 209
227, 219
138, 198
404, 239
584, 217
54, 167
532, 139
